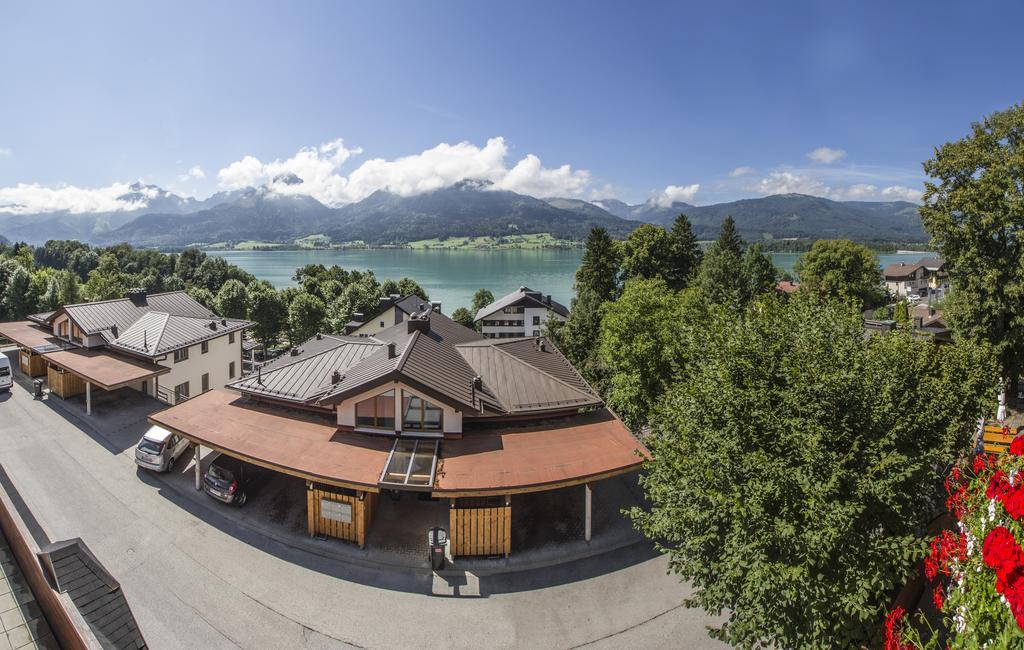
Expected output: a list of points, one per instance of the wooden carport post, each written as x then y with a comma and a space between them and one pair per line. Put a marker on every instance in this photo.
199, 469
88, 398
587, 518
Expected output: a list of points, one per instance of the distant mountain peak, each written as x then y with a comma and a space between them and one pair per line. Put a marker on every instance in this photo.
287, 179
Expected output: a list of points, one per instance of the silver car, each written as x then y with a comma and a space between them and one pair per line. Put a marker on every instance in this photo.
159, 448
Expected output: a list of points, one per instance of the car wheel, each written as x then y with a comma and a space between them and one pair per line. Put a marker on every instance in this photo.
240, 499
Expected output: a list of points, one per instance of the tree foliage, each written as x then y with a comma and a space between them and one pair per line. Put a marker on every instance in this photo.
841, 269
731, 276
974, 210
463, 317
232, 300
648, 253
268, 310
686, 253
795, 468
481, 299
305, 317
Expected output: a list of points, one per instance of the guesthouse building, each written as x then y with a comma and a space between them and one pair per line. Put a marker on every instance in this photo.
524, 312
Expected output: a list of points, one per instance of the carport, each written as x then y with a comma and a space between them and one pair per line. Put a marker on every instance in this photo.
74, 371
32, 341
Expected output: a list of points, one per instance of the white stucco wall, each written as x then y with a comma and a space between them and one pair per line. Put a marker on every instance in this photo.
388, 319
215, 362
527, 327
451, 420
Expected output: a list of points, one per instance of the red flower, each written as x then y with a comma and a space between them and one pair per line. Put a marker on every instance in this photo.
981, 463
998, 485
938, 597
1017, 446
1002, 554
894, 630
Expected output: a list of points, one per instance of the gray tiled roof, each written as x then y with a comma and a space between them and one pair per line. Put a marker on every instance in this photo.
95, 593
526, 297
157, 333
517, 376
97, 317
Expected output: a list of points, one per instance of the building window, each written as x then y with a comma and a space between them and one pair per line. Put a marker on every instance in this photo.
419, 414
377, 412
231, 370
180, 355
231, 338
181, 392
536, 320
206, 381
382, 323
204, 347
536, 332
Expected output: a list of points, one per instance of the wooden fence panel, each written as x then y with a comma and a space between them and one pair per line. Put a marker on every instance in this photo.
362, 506
31, 364
64, 384
480, 526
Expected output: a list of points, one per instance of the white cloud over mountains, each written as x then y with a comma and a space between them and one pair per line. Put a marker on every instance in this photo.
432, 169
29, 198
676, 193
793, 182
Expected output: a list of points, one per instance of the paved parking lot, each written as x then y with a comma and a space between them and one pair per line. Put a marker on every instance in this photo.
199, 575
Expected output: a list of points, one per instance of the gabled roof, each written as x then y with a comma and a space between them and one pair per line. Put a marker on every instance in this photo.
901, 270
436, 355
523, 296
408, 305
98, 317
157, 333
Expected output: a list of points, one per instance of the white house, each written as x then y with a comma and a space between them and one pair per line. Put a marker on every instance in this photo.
926, 278
524, 312
390, 311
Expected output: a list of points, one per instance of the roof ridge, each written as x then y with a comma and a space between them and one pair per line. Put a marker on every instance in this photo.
547, 374
408, 349
300, 358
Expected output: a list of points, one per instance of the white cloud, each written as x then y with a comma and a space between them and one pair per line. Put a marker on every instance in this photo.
29, 198
435, 168
741, 171
194, 173
606, 191
785, 182
6, 151
676, 193
856, 192
901, 193
826, 156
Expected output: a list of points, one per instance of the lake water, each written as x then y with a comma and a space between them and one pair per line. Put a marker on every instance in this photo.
453, 276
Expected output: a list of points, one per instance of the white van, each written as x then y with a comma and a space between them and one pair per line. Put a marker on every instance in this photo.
6, 378
159, 448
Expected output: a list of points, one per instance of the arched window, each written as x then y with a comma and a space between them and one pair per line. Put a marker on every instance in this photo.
419, 414
378, 412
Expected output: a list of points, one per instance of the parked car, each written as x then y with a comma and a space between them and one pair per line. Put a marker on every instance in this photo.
159, 448
233, 481
6, 378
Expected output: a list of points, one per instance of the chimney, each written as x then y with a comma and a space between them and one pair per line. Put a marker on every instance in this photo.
113, 330
294, 352
435, 305
319, 336
259, 376
335, 377
224, 322
539, 344
137, 296
213, 325
358, 317
931, 310
419, 322
918, 322
395, 297
547, 299
392, 350
383, 304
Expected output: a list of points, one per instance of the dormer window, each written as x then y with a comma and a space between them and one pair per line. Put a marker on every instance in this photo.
378, 412
420, 415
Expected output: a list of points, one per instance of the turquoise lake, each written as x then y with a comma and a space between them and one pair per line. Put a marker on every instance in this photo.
453, 276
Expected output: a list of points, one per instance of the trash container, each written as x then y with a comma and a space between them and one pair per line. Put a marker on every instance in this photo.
437, 539
37, 387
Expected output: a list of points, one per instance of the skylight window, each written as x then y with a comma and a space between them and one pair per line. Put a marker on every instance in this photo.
411, 464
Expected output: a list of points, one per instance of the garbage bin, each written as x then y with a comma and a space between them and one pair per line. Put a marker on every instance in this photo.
437, 539
37, 387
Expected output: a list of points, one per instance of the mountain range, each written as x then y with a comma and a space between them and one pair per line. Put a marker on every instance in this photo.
468, 208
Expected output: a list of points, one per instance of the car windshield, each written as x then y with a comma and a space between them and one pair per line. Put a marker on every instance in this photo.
221, 473
150, 447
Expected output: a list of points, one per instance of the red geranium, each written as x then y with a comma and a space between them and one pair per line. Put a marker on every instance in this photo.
982, 462
1017, 446
1002, 554
894, 630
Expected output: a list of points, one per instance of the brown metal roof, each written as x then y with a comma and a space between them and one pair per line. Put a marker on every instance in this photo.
494, 460
284, 440
27, 334
105, 369
541, 455
900, 270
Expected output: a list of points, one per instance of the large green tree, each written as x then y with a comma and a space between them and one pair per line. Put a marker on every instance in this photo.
17, 296
794, 470
974, 209
640, 344
268, 310
305, 317
648, 253
463, 317
481, 299
721, 277
686, 253
841, 269
232, 300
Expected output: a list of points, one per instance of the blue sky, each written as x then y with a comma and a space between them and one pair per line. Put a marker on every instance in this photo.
642, 101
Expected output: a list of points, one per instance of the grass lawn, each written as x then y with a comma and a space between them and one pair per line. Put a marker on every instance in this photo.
535, 240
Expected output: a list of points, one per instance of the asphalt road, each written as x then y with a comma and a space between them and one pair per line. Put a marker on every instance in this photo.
196, 579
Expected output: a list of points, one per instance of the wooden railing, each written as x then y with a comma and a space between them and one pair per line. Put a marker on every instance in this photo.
996, 439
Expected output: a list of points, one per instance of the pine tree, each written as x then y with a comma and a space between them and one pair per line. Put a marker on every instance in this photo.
686, 253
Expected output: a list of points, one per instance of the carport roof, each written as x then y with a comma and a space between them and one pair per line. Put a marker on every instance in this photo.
280, 439
27, 334
538, 456
106, 370
492, 460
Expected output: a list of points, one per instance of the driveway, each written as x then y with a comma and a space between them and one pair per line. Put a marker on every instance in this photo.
198, 578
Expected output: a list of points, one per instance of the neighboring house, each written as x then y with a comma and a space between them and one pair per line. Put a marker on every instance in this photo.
165, 345
523, 312
425, 406
926, 278
787, 286
390, 311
